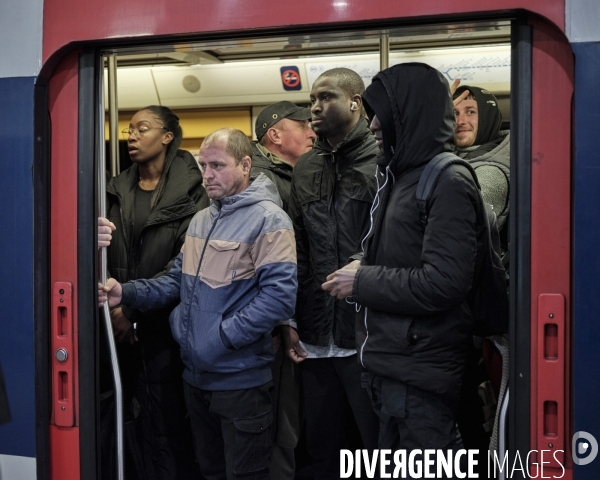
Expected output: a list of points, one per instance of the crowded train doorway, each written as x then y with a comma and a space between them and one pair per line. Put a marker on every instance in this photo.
214, 83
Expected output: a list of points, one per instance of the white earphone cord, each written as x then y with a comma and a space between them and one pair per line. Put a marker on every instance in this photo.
373, 208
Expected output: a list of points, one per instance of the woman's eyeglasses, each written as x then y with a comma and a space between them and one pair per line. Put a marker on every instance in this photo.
137, 132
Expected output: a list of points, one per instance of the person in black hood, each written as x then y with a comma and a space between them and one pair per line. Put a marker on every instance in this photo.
480, 141
331, 194
481, 106
151, 205
414, 325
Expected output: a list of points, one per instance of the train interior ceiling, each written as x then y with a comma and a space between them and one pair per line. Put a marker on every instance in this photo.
216, 84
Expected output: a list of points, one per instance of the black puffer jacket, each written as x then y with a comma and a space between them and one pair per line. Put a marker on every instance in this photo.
331, 197
162, 235
280, 173
414, 279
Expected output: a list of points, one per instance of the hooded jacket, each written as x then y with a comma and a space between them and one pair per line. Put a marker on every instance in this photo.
162, 235
331, 196
490, 153
280, 172
234, 279
414, 325
490, 117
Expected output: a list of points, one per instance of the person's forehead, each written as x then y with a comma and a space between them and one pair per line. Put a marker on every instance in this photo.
470, 103
214, 151
325, 84
144, 116
291, 122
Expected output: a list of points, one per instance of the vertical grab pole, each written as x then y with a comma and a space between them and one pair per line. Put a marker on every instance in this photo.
502, 432
103, 274
384, 51
113, 115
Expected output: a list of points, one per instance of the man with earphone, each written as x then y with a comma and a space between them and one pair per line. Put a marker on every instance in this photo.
332, 190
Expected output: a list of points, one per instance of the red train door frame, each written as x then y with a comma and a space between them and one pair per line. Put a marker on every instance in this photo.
63, 108
73, 268
540, 224
539, 409
520, 241
551, 206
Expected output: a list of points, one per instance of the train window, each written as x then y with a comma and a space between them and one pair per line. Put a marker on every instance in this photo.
213, 84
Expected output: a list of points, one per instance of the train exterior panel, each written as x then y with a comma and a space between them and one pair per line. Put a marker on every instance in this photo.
44, 69
586, 231
20, 63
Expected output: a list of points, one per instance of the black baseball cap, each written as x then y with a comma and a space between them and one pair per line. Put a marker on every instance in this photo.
271, 114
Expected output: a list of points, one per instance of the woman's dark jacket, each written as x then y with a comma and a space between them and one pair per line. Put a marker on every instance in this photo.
331, 196
161, 236
414, 278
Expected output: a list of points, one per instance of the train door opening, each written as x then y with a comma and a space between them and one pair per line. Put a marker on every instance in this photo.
212, 83
216, 84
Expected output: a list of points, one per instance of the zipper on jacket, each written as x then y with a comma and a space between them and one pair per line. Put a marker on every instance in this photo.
128, 245
362, 347
333, 228
332, 210
187, 330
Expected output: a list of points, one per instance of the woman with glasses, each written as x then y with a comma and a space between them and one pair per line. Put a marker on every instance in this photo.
151, 204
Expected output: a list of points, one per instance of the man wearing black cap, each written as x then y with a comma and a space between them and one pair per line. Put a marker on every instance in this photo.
283, 135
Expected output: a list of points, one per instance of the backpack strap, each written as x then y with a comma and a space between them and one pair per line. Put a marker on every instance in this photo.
430, 176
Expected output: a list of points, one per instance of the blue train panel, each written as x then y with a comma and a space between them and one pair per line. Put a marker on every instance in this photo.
586, 299
16, 263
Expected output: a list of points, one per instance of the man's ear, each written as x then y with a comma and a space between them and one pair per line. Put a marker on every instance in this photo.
359, 103
246, 165
274, 135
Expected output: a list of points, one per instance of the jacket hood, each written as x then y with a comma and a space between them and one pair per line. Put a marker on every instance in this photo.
413, 103
261, 188
490, 117
183, 176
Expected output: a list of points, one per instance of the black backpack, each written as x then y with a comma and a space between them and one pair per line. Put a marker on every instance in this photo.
488, 298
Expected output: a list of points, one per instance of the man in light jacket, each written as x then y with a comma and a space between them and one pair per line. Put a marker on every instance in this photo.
234, 279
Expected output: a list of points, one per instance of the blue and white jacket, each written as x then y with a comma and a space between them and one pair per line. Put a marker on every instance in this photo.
234, 279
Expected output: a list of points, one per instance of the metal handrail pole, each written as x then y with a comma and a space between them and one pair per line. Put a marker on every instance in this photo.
502, 430
113, 116
104, 276
384, 51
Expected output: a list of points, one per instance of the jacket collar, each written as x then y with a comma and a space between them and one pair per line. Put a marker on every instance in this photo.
270, 156
355, 137
260, 189
183, 178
